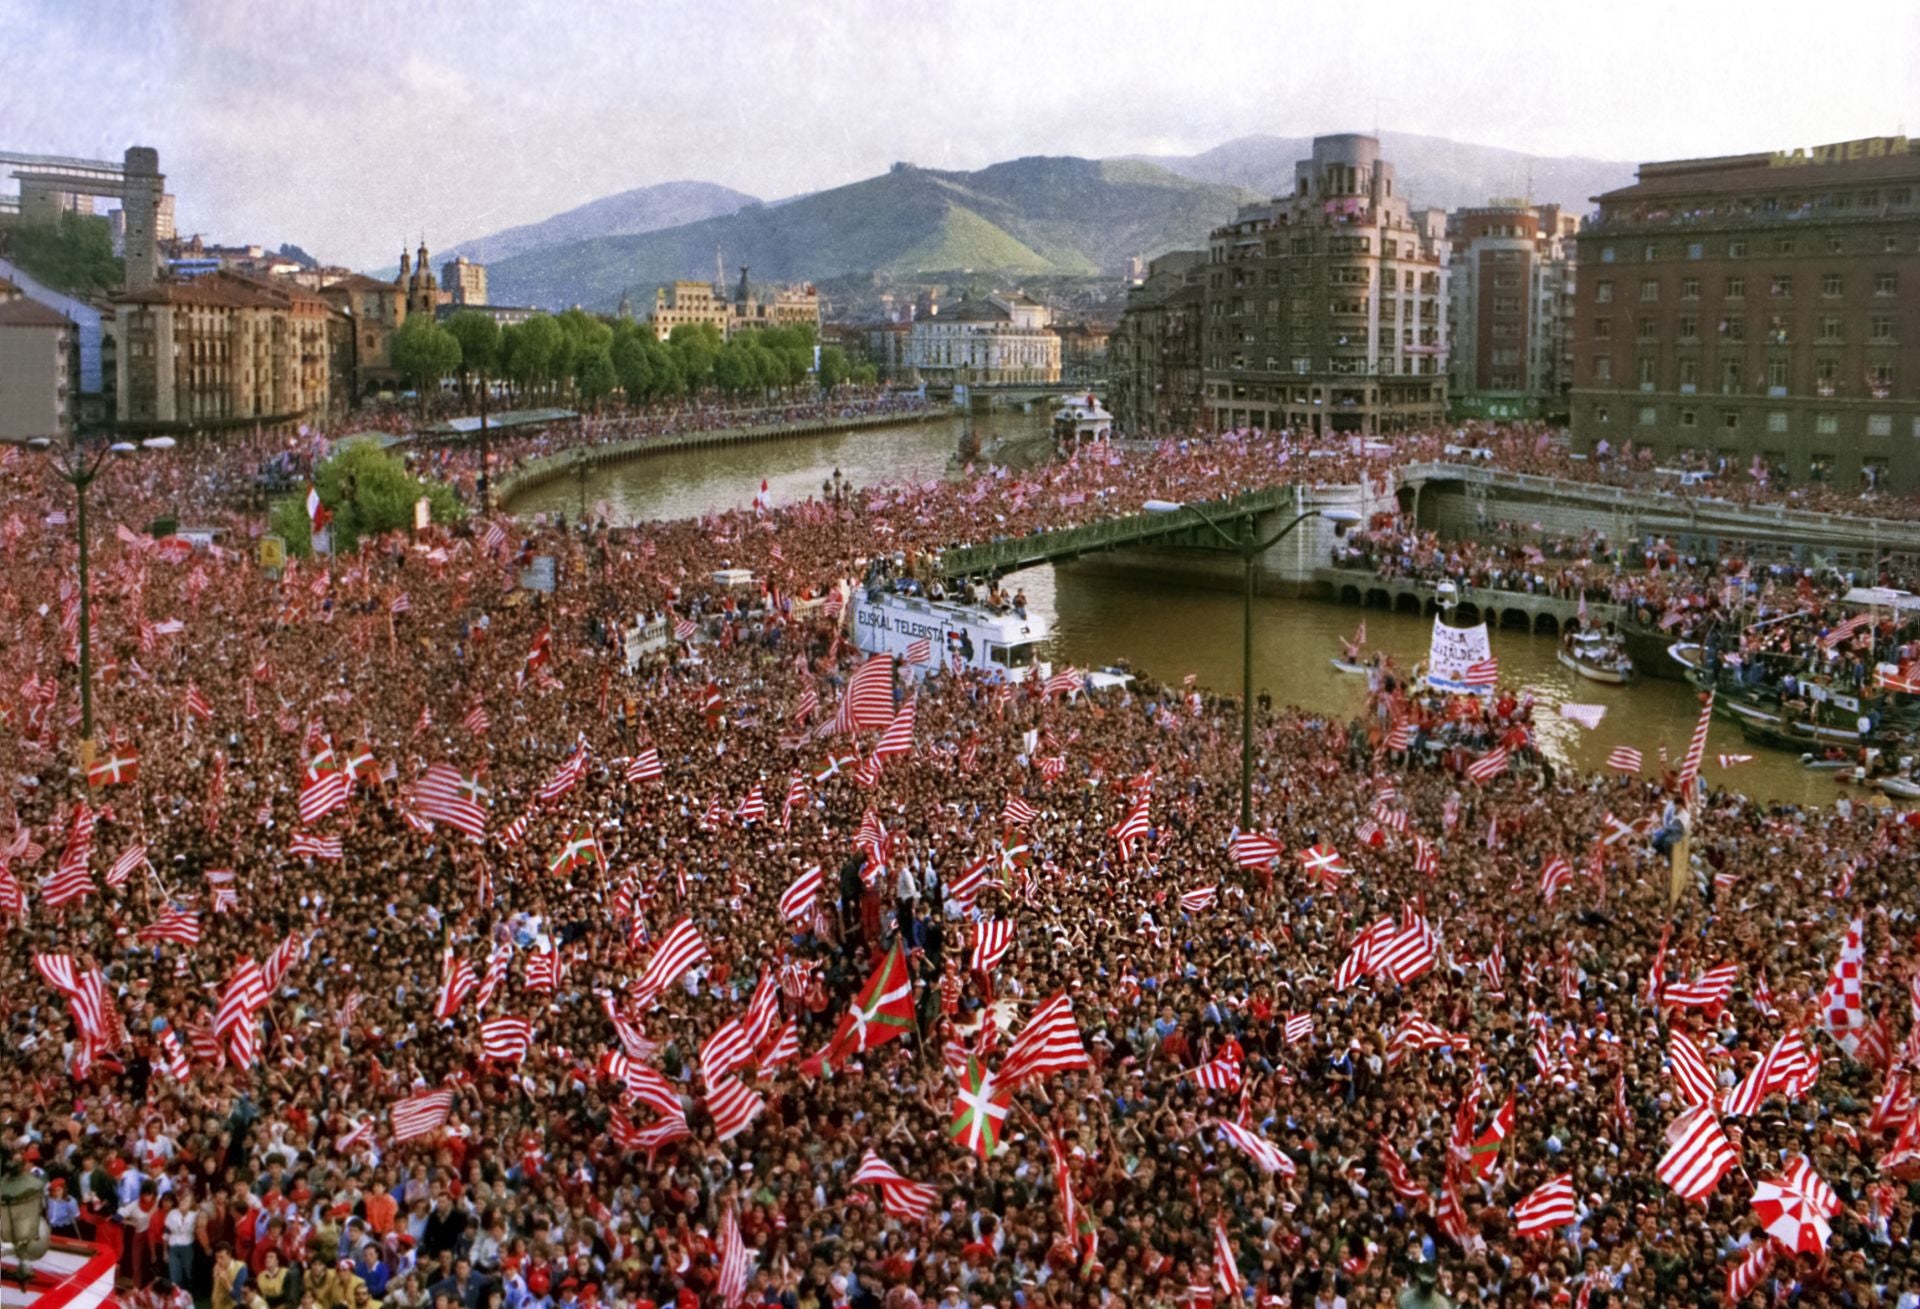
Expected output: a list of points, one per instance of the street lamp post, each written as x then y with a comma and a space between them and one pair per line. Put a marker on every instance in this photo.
1250, 550
77, 468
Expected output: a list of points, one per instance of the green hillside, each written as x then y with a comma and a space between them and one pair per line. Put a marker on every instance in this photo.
1032, 217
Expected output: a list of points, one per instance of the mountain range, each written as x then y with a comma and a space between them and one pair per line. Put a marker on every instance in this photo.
1037, 217
1429, 170
643, 209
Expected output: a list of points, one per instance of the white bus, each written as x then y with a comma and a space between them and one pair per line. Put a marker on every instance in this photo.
998, 645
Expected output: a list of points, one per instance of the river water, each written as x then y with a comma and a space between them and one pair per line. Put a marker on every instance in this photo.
1171, 631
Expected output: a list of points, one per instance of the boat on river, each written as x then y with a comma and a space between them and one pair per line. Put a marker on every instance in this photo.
1353, 654
1597, 656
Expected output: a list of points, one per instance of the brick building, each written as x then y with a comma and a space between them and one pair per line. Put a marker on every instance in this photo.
1326, 310
1512, 277
1154, 355
1758, 307
463, 282
39, 368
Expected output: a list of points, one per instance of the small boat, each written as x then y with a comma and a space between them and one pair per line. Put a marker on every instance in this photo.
1353, 653
1597, 656
1820, 764
1901, 788
1690, 655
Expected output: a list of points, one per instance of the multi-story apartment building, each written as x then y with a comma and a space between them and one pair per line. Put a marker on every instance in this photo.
39, 368
221, 350
1154, 356
1759, 308
1326, 310
1512, 277
1001, 339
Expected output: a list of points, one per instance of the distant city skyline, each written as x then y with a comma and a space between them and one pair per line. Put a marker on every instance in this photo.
350, 128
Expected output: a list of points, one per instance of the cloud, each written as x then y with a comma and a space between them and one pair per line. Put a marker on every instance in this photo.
349, 126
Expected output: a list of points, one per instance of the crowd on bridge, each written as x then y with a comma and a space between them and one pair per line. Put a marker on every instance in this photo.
399, 944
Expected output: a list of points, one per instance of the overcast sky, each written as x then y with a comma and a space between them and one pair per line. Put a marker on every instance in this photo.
348, 126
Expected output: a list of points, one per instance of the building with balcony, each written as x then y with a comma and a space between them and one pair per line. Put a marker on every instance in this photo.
1758, 309
999, 340
1326, 310
1512, 277
1154, 355
222, 351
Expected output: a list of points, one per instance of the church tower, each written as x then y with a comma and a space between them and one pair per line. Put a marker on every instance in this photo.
423, 293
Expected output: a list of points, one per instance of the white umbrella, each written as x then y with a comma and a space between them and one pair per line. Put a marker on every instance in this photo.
1791, 1218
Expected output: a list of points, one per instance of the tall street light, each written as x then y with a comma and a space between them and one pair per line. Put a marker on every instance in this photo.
1250, 550
77, 466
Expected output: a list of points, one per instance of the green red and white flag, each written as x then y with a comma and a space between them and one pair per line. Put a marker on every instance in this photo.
882, 1012
980, 1111
581, 848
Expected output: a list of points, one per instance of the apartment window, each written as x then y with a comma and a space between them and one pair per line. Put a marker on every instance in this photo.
1603, 329
1606, 254
1886, 283
1646, 366
1777, 375
1784, 246
1689, 418
1648, 329
1735, 288
1603, 293
1689, 327
1880, 328
1602, 368
1734, 329
1829, 329
1830, 284
1780, 287
1730, 419
1820, 468
1826, 424
1736, 249
1649, 288
1601, 416
1833, 242
1879, 424
1689, 374
1650, 252
1825, 373
1880, 380
1648, 415
1777, 421
1689, 288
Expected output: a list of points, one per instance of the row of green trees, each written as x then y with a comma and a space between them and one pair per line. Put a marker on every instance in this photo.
369, 491
577, 355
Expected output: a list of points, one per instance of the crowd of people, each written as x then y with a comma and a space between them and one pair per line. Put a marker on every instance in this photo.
290, 1042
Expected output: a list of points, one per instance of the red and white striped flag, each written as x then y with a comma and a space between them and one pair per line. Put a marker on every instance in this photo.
734, 1106
1253, 850
992, 940
919, 652
1689, 1068
1221, 1073
1697, 747
477, 721
1017, 812
1698, 1154
1299, 1028
457, 982
682, 948
645, 766
1750, 1271
175, 925
1226, 1270
1049, 1043
966, 884
1556, 874
732, 1284
506, 1040
1624, 759
1198, 900
797, 901
1489, 765
131, 859
419, 1115
1547, 1206
905, 1200
1269, 1157
307, 845
173, 1057
1734, 760
1483, 673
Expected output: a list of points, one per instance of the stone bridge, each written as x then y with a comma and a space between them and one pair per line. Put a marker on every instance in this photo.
1523, 610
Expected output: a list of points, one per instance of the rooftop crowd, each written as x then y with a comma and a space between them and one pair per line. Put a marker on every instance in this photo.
242, 1149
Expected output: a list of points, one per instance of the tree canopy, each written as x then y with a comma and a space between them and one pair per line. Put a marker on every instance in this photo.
368, 491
